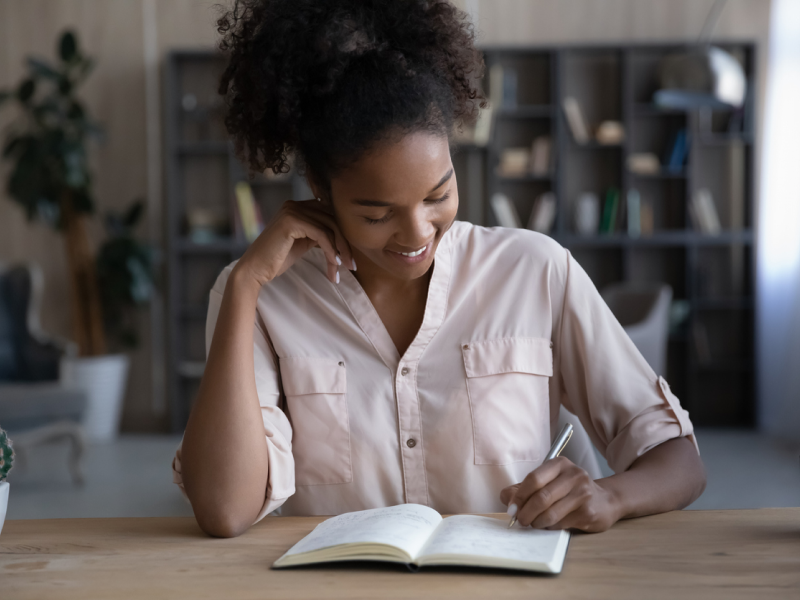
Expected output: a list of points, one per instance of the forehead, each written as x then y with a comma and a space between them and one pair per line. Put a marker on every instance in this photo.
402, 169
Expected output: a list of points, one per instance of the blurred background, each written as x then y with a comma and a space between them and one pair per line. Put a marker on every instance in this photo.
656, 139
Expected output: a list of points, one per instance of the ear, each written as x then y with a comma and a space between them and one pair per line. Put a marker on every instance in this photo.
320, 191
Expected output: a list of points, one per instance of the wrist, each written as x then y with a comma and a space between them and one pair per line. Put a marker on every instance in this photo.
615, 496
243, 280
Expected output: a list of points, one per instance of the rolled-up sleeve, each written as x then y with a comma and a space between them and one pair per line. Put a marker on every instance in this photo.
605, 381
277, 429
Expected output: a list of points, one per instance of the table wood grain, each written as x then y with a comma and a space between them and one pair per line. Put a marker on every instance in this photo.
683, 554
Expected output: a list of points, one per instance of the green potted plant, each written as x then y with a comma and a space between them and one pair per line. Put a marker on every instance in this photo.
6, 461
50, 178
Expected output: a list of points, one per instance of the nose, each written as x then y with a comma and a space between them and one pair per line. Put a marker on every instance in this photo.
416, 229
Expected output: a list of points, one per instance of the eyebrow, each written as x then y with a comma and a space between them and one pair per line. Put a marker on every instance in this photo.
381, 203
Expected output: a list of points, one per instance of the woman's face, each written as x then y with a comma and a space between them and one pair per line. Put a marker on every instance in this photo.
400, 198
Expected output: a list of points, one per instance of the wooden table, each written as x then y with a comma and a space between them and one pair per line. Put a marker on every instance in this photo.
685, 554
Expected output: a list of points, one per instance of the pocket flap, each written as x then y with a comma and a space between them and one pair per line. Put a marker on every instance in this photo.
307, 375
508, 355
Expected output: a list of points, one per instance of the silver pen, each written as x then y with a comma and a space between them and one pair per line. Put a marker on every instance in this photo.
558, 445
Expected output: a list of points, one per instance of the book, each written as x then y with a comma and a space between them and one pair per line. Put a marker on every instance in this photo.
646, 218
483, 127
677, 152
541, 155
575, 120
634, 209
543, 214
250, 215
418, 536
704, 213
496, 76
504, 211
610, 207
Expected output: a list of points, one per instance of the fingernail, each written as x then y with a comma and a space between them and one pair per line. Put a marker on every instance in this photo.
354, 264
512, 510
337, 276
338, 261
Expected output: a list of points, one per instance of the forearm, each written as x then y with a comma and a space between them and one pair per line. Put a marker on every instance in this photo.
668, 477
224, 451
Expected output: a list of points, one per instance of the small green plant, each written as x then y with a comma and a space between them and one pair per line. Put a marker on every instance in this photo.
6, 455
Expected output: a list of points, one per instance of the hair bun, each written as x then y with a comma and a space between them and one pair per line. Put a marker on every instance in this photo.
327, 79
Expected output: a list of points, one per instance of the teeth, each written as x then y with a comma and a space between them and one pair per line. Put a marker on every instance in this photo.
417, 253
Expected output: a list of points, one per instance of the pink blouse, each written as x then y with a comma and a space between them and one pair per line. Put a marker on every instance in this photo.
513, 327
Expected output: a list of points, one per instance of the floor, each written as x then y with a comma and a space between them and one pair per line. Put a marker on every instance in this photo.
132, 478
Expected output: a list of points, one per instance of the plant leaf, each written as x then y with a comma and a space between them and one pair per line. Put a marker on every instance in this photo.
42, 69
26, 90
68, 47
133, 214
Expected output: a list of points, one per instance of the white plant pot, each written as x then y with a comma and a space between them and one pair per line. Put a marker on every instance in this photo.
104, 380
4, 487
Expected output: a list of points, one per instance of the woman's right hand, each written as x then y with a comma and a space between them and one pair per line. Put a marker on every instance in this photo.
295, 229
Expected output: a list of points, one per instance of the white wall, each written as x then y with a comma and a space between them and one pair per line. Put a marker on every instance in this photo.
779, 231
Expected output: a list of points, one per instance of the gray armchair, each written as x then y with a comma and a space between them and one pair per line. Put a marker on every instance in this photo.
35, 408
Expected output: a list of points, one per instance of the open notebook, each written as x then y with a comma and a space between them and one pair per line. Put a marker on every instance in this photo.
417, 536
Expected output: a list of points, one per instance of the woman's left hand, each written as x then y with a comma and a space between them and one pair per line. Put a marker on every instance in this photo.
560, 495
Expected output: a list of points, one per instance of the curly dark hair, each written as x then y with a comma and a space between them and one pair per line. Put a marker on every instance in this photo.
325, 80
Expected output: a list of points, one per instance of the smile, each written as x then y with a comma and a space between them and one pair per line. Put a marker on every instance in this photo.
415, 253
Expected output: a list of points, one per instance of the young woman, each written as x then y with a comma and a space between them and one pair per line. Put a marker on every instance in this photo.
369, 350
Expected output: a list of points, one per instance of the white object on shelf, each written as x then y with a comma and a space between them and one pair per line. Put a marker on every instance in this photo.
104, 379
4, 488
610, 133
587, 214
514, 162
505, 211
644, 163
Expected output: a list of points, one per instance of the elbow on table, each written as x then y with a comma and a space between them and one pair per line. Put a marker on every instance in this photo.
222, 524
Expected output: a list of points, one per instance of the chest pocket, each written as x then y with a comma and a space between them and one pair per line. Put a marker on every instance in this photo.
508, 387
315, 390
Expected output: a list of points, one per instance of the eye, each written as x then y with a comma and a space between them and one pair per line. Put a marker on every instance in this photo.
389, 215
381, 220
439, 200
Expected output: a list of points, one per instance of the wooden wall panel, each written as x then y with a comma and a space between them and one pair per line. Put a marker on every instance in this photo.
112, 31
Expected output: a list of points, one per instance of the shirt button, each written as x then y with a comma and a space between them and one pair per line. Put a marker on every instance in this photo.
465, 346
411, 443
341, 364
404, 371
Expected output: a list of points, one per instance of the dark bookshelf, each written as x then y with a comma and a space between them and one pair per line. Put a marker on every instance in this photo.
713, 275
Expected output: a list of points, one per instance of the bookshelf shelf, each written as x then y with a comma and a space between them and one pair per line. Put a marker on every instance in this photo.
594, 145
651, 110
527, 112
662, 174
209, 148
523, 178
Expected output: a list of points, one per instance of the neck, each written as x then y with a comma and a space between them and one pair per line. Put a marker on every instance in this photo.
378, 282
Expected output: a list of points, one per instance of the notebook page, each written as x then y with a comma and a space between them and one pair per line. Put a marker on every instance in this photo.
485, 536
406, 526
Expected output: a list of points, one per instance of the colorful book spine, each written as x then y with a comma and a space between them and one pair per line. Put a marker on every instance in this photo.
250, 215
